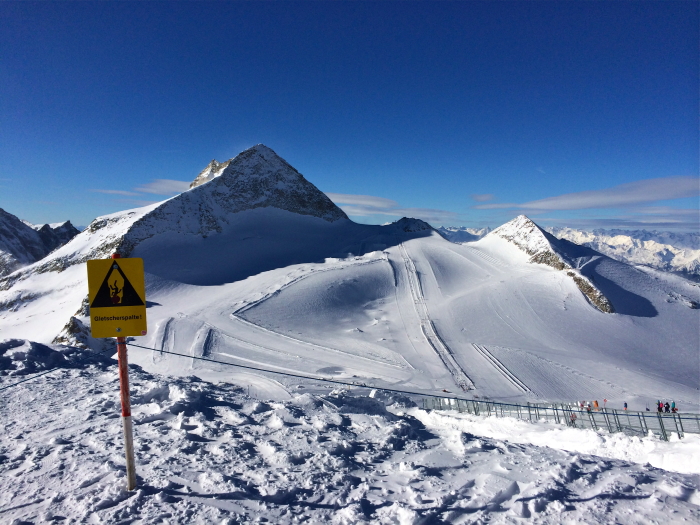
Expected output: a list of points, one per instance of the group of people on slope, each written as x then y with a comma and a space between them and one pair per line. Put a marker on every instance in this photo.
665, 407
586, 405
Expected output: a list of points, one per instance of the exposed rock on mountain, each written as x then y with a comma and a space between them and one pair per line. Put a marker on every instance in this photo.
55, 235
409, 225
22, 244
214, 169
544, 248
668, 251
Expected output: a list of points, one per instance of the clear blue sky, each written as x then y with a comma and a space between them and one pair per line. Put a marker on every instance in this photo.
464, 113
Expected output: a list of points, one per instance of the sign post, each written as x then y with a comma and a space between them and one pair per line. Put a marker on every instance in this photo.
117, 298
126, 414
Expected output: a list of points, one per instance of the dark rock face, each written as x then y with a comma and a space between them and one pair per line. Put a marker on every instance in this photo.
58, 236
21, 244
410, 225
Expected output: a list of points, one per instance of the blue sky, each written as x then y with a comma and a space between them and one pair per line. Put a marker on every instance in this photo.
581, 114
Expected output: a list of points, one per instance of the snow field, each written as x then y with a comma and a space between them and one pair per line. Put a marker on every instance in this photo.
209, 453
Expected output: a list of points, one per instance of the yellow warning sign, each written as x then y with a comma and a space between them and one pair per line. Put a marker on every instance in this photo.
117, 297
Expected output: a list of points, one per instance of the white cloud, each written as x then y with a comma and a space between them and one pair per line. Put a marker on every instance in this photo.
164, 187
482, 197
362, 200
622, 196
117, 192
368, 205
137, 202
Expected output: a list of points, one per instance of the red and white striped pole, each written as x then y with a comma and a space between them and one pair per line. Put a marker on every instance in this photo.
126, 409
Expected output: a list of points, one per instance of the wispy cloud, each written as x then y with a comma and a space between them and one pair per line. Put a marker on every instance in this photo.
662, 218
116, 192
622, 196
368, 205
164, 187
137, 202
482, 197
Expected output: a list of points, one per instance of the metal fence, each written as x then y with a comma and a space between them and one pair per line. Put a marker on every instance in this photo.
629, 422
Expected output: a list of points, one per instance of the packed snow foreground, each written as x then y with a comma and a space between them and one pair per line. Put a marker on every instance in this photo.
254, 266
210, 453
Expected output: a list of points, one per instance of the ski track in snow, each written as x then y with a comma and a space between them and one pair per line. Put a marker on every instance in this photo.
510, 377
209, 453
428, 327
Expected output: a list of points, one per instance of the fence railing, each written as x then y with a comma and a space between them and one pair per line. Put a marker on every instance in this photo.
629, 422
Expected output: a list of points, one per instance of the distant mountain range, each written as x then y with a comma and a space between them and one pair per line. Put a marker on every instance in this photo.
667, 251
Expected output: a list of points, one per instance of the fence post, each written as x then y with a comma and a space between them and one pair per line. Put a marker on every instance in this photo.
593, 424
607, 420
661, 424
680, 422
617, 420
676, 423
643, 424
529, 413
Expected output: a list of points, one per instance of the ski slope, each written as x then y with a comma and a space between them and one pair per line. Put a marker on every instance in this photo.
421, 313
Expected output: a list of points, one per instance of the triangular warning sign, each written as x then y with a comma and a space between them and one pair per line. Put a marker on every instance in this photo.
116, 290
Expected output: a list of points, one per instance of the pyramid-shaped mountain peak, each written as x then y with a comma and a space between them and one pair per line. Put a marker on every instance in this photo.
524, 233
258, 160
258, 178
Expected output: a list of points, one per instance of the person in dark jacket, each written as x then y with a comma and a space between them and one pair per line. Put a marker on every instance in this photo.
667, 407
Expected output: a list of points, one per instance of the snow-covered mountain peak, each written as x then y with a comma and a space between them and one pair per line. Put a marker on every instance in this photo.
525, 234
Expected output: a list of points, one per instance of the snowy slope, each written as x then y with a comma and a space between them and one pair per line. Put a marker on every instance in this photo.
209, 453
314, 293
258, 214
678, 252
